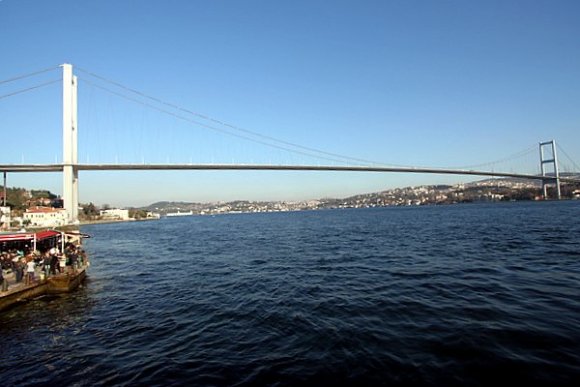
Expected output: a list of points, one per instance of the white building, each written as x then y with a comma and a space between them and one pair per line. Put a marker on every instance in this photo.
45, 217
115, 213
153, 215
5, 218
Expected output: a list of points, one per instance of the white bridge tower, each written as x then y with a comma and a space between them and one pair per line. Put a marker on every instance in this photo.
70, 178
549, 157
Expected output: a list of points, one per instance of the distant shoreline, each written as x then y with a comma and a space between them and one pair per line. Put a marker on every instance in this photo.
333, 208
106, 221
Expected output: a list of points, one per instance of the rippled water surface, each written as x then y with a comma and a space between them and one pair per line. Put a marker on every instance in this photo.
452, 295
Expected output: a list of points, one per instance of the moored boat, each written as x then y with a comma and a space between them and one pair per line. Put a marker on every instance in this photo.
55, 262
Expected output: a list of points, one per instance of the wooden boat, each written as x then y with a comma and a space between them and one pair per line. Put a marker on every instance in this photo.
64, 283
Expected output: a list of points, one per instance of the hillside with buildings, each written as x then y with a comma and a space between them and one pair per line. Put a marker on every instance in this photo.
40, 208
21, 207
488, 190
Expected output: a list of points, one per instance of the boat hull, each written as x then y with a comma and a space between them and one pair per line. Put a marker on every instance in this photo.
62, 283
65, 283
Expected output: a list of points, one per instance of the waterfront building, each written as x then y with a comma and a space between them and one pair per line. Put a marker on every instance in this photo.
115, 213
5, 218
45, 217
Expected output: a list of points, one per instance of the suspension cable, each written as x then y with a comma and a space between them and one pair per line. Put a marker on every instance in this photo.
208, 126
253, 133
29, 88
335, 157
568, 157
28, 75
514, 156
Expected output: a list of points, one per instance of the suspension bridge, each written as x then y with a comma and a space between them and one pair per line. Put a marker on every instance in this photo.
70, 166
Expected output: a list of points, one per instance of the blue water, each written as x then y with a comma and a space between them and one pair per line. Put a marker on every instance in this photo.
446, 295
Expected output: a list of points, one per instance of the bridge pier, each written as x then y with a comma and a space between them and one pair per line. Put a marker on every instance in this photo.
70, 188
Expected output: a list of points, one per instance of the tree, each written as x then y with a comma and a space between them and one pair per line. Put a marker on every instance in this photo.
89, 210
137, 213
16, 198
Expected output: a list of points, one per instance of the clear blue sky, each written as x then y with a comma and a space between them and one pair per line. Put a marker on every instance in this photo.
436, 83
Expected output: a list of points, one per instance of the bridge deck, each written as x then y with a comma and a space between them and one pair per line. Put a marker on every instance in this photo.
265, 167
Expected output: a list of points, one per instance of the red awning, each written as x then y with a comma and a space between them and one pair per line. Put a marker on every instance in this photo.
46, 234
16, 237
28, 236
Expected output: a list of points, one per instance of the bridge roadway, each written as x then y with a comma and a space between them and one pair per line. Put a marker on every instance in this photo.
266, 167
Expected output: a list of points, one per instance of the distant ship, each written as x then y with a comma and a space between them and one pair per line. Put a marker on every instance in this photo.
178, 213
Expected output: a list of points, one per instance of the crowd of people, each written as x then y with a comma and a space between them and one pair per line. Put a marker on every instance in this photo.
27, 267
